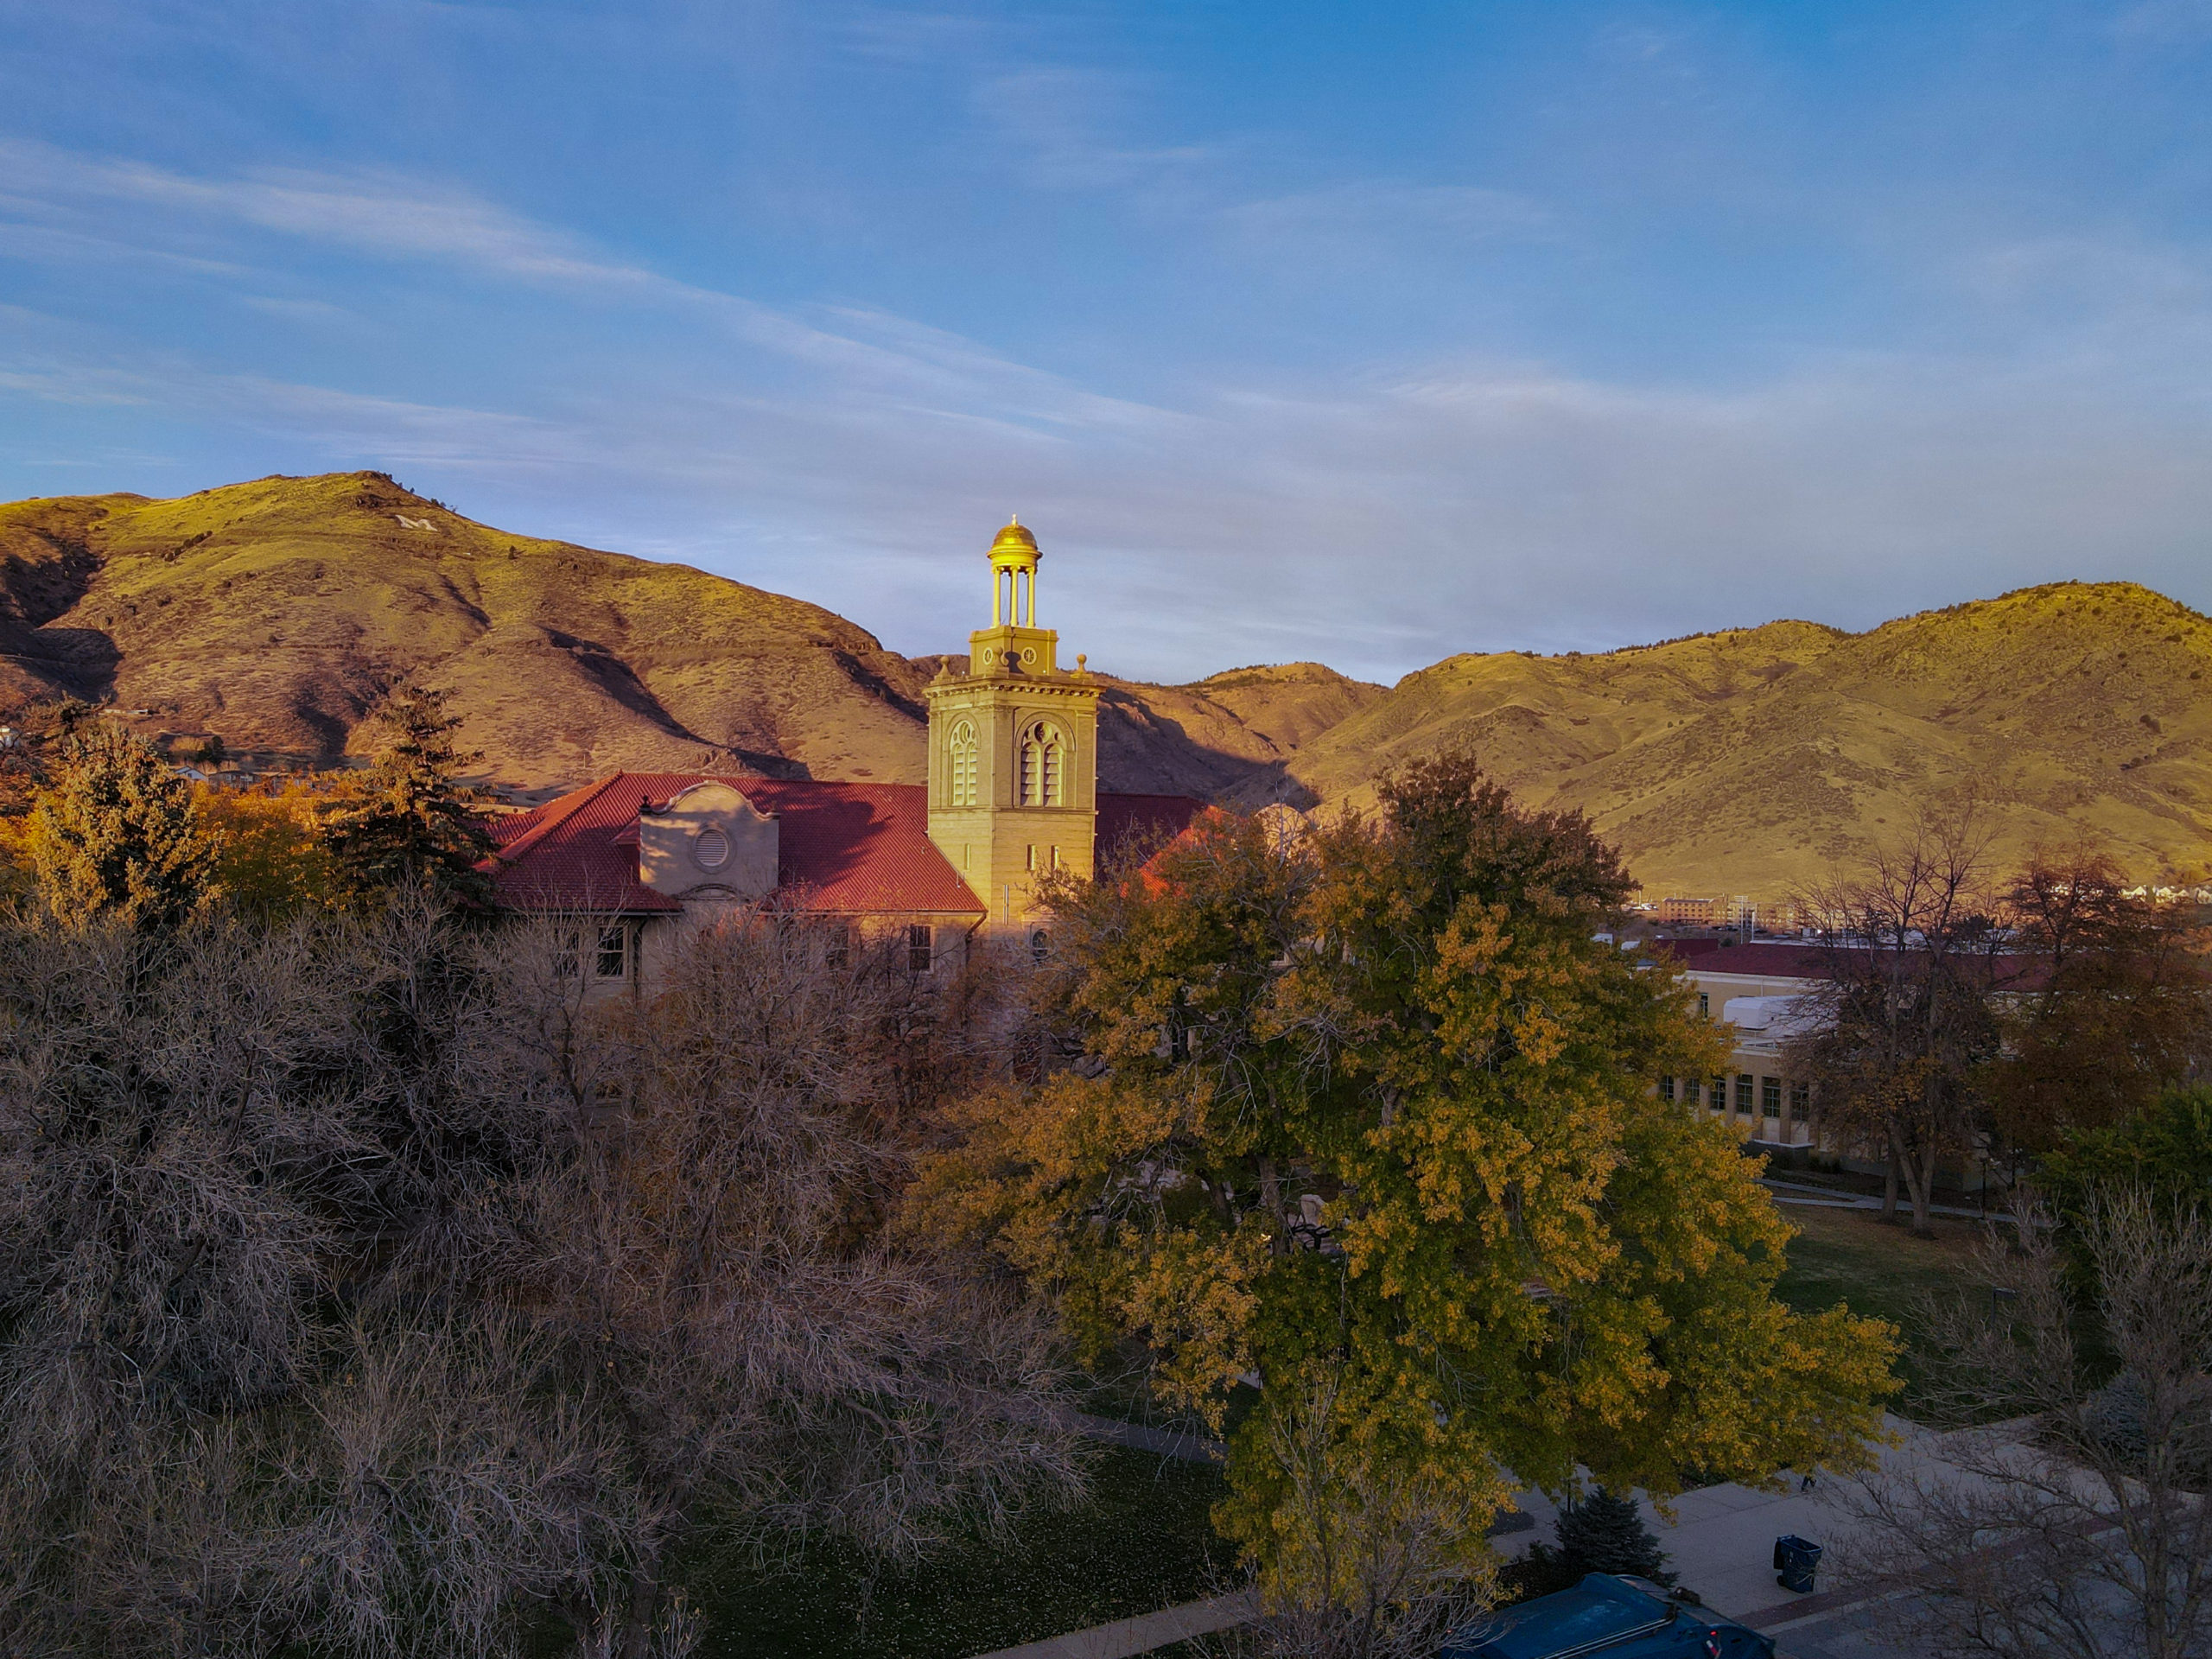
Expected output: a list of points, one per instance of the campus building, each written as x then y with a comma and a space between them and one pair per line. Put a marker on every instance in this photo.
638, 860
1753, 989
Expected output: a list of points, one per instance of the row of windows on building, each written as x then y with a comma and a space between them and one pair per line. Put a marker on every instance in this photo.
1043, 766
613, 954
1761, 1096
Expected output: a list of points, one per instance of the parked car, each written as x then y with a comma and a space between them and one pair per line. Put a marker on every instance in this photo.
1609, 1617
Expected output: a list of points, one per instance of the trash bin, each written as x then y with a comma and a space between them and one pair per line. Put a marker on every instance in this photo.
1795, 1559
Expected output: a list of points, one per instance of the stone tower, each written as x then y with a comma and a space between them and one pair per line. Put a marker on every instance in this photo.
1013, 748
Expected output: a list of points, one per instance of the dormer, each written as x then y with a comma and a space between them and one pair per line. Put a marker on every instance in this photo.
707, 835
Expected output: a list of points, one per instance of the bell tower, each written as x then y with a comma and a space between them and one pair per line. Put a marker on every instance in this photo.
1013, 748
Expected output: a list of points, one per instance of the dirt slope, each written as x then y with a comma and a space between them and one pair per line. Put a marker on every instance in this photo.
277, 612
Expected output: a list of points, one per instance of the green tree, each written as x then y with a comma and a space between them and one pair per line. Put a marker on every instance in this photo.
2122, 1007
1605, 1532
1377, 1104
119, 834
407, 823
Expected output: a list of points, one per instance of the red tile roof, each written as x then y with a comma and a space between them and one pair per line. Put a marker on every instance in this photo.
843, 847
1141, 822
1777, 960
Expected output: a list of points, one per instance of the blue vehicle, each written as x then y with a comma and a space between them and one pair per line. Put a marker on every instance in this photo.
1609, 1617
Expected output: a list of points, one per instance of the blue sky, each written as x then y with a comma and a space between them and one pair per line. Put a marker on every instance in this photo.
1361, 334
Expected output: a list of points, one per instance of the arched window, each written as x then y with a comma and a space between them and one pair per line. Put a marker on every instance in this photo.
960, 757
1043, 766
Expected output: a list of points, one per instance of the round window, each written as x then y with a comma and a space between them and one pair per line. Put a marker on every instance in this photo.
711, 849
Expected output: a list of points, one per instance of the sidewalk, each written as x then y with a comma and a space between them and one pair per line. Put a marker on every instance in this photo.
1830, 1198
1127, 1636
1720, 1544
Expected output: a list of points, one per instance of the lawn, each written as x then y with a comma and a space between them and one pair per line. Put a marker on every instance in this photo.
1851, 1256
1143, 1542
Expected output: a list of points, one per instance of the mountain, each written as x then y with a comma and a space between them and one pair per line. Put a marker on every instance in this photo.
1748, 761
277, 614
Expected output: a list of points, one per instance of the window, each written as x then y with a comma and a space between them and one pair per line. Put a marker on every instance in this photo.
1771, 1098
960, 765
1801, 1102
1056, 858
1042, 766
1032, 863
613, 952
1040, 946
1666, 1087
1716, 1094
1744, 1093
710, 850
839, 950
919, 955
567, 953
1704, 1003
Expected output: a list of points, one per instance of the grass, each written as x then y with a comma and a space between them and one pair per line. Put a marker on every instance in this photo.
1143, 1542
1851, 1256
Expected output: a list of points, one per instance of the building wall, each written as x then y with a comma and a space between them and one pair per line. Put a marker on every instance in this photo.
1757, 1059
998, 846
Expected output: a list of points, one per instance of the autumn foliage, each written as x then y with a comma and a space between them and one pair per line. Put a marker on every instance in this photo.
1369, 1116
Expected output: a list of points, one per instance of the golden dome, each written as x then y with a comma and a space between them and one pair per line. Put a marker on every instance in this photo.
1015, 537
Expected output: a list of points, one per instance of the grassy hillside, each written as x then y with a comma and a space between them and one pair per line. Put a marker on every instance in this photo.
1748, 761
277, 614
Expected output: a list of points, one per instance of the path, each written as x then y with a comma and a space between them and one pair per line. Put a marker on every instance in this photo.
1829, 1197
1125, 1637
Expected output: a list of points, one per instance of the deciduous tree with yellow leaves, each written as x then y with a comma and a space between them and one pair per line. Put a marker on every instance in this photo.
1368, 1114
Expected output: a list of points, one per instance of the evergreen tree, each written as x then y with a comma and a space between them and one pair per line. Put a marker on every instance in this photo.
118, 834
1607, 1533
406, 822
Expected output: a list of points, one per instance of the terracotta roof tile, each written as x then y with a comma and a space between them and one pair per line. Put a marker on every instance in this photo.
843, 847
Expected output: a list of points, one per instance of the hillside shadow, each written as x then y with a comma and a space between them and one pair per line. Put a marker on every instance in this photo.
1142, 751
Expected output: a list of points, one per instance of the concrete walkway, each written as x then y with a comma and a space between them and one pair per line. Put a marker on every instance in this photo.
1829, 1197
1125, 1637
1720, 1544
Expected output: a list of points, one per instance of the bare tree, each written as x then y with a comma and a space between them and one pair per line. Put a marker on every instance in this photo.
2078, 1528
365, 1279
1904, 1018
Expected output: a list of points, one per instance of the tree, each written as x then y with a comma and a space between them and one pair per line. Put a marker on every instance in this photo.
407, 823
361, 1289
274, 860
2165, 1152
1377, 1100
1606, 1533
1905, 1017
2067, 1518
1375, 1565
119, 834
2122, 1007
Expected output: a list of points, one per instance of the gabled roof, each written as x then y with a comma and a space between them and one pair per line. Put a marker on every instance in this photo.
850, 848
842, 846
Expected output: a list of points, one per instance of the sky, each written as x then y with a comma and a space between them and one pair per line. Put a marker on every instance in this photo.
1358, 333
